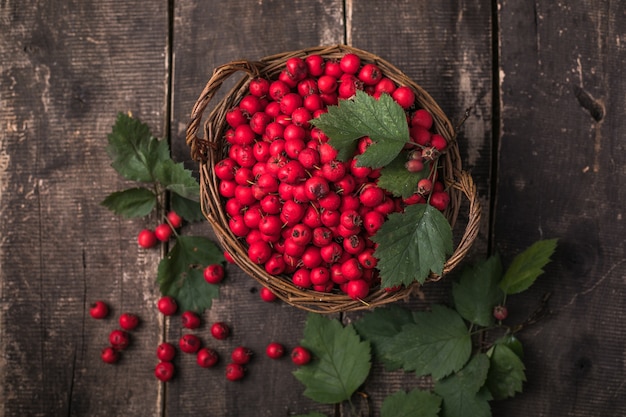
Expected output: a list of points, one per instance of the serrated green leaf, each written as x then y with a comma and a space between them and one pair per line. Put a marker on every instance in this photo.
379, 326
506, 372
477, 291
383, 120
438, 344
135, 153
398, 180
132, 202
341, 362
512, 343
174, 177
415, 403
189, 210
463, 392
527, 266
181, 272
412, 244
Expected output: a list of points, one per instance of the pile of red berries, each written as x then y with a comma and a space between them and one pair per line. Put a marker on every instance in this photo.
119, 339
189, 343
148, 238
300, 210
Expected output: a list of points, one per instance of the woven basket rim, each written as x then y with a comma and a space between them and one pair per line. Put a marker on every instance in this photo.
207, 152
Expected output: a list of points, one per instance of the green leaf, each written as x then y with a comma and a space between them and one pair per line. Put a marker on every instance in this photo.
189, 210
506, 372
398, 180
438, 344
174, 177
415, 403
341, 362
383, 120
412, 244
132, 202
379, 326
512, 343
477, 291
134, 151
181, 272
527, 266
463, 393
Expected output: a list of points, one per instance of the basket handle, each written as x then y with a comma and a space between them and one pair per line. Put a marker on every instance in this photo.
220, 74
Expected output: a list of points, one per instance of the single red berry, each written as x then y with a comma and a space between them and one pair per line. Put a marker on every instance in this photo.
300, 355
166, 352
241, 355
357, 289
235, 371
440, 200
99, 310
119, 339
275, 350
146, 239
129, 321
164, 371
163, 232
229, 258
190, 320
167, 305
350, 63
422, 118
267, 295
189, 343
214, 273
220, 330
500, 312
404, 96
110, 355
175, 220
207, 357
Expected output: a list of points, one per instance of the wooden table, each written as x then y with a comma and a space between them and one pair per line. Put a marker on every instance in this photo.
544, 142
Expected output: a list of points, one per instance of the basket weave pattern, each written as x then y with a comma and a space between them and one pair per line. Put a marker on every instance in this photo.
211, 148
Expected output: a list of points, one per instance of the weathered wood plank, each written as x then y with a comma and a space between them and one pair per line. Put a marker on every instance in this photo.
561, 175
446, 48
205, 37
67, 68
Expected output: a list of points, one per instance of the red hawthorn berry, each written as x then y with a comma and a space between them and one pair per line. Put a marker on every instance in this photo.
189, 343
119, 339
300, 355
500, 312
241, 355
235, 372
164, 371
167, 305
207, 357
220, 330
166, 352
190, 320
99, 310
214, 273
267, 295
275, 350
175, 220
128, 321
163, 232
109, 355
146, 239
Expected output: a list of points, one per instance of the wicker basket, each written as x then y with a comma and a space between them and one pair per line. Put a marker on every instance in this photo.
210, 149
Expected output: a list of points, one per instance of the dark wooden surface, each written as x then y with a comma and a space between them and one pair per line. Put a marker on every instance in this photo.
544, 142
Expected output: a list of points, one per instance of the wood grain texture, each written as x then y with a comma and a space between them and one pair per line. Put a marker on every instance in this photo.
562, 176
67, 68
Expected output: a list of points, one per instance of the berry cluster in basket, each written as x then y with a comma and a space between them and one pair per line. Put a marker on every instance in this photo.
301, 211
